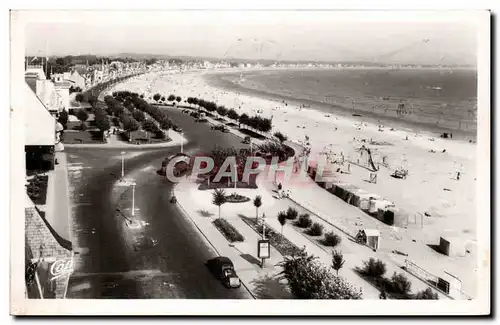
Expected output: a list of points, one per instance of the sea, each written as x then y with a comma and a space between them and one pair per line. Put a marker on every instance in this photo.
432, 100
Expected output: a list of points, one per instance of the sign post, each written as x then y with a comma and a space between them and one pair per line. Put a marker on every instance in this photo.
263, 250
263, 246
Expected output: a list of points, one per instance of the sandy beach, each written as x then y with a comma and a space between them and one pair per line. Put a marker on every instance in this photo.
431, 192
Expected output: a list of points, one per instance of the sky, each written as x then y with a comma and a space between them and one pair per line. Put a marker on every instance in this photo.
385, 37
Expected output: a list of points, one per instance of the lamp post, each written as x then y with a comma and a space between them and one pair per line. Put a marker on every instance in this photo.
263, 226
235, 175
133, 199
123, 163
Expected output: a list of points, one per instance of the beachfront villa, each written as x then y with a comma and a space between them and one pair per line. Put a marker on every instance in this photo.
62, 86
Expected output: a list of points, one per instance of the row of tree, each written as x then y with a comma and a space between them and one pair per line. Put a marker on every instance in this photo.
256, 122
134, 101
161, 99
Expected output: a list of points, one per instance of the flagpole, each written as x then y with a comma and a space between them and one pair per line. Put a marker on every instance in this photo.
46, 69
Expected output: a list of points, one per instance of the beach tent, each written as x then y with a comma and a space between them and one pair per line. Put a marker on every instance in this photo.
349, 193
377, 203
393, 216
365, 201
452, 246
357, 195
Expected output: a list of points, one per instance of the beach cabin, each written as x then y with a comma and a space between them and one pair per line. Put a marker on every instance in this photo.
372, 238
452, 246
393, 216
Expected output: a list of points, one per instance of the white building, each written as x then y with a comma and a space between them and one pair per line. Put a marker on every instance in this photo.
61, 87
40, 134
46, 92
44, 89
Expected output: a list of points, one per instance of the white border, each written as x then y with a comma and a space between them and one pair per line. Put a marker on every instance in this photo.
268, 307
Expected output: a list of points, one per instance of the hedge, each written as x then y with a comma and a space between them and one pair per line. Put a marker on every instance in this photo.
228, 230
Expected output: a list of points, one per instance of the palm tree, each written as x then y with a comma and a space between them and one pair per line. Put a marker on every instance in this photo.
337, 260
282, 220
257, 202
219, 198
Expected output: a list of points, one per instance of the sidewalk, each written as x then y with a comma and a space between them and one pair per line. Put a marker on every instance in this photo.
262, 283
57, 211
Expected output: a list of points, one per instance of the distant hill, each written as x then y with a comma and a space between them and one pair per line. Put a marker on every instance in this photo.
396, 58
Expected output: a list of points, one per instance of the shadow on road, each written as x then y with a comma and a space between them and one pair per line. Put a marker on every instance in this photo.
250, 259
205, 213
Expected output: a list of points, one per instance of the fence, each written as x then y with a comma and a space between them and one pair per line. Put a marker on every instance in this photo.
441, 285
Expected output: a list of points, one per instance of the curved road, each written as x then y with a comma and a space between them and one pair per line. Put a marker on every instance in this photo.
161, 260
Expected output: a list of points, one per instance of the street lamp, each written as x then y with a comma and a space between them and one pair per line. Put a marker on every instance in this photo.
263, 226
235, 175
123, 163
133, 198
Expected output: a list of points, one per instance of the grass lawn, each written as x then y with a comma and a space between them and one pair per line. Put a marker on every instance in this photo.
92, 137
143, 137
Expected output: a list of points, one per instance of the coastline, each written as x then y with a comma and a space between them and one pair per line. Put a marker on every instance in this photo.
214, 79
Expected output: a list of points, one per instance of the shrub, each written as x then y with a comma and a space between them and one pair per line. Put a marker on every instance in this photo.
374, 268
232, 114
149, 126
280, 136
222, 111
400, 284
138, 115
291, 213
315, 230
159, 134
228, 230
79, 98
331, 239
304, 221
426, 294
63, 118
309, 279
82, 115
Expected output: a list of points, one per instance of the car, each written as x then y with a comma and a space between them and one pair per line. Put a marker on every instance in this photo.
223, 269
177, 129
247, 140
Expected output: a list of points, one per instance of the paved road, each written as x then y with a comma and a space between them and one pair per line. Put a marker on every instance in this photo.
114, 261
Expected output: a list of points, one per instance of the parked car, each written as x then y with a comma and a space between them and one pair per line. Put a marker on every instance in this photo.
201, 120
177, 129
247, 140
222, 268
220, 127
